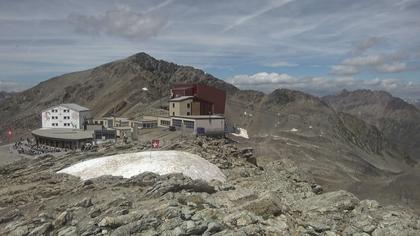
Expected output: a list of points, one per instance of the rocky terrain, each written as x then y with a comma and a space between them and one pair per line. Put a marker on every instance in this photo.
5, 95
338, 147
397, 119
260, 197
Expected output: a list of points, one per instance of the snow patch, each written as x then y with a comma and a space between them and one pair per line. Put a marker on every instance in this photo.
145, 89
294, 130
242, 133
159, 162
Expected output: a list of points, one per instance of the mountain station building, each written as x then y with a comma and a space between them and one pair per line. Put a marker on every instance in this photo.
198, 108
64, 126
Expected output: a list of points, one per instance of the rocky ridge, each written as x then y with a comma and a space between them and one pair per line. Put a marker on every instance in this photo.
258, 198
398, 120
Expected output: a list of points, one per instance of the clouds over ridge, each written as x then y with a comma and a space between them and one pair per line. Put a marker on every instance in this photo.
301, 39
268, 82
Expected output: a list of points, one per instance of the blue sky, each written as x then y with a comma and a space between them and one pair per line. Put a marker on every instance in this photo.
318, 46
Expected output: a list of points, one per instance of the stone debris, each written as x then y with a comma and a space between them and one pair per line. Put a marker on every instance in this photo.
273, 198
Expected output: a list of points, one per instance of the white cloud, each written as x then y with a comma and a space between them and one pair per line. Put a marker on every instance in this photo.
367, 43
262, 78
268, 82
344, 70
120, 23
369, 60
241, 20
381, 63
392, 68
281, 64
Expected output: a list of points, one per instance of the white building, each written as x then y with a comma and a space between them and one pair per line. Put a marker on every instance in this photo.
68, 115
202, 124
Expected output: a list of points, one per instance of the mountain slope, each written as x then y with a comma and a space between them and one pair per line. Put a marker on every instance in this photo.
397, 119
112, 87
340, 150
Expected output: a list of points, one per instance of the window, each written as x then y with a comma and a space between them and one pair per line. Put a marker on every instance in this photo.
188, 113
165, 122
189, 124
173, 113
176, 122
67, 117
173, 105
188, 105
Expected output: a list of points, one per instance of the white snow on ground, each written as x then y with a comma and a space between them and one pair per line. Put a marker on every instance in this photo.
294, 130
159, 162
145, 89
242, 133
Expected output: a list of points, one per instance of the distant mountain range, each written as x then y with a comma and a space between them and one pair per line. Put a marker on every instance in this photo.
415, 102
397, 119
354, 140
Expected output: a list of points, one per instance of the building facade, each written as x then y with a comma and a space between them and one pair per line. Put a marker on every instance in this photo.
206, 125
71, 116
202, 100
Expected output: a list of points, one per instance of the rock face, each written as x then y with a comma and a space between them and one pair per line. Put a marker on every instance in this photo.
341, 150
261, 198
397, 119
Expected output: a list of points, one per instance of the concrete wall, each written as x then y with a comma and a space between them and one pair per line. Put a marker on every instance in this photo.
211, 125
195, 110
83, 116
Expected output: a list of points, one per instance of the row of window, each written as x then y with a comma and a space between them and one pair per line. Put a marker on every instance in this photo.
188, 105
189, 124
188, 113
56, 117
56, 124
178, 123
165, 122
56, 110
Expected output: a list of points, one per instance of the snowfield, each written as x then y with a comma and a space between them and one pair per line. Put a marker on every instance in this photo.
159, 162
242, 133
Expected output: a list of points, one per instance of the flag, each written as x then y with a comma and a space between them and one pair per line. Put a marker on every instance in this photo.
155, 143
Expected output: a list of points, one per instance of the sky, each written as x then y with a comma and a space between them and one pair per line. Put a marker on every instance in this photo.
316, 46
